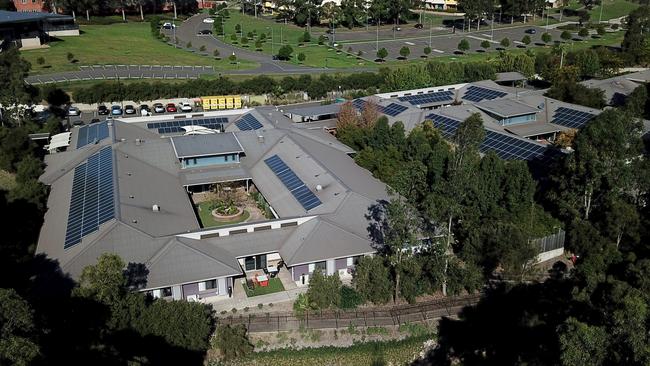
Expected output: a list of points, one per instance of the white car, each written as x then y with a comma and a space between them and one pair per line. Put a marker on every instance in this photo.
208, 20
186, 107
168, 25
74, 111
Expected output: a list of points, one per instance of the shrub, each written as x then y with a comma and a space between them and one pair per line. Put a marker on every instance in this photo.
322, 39
350, 298
188, 45
284, 53
238, 28
427, 50
505, 43
566, 35
547, 38
405, 52
232, 342
600, 29
463, 45
233, 310
40, 60
306, 37
584, 32
526, 40
233, 38
614, 26
244, 41
215, 53
246, 309
382, 53
485, 44
259, 306
250, 35
70, 56
301, 57
258, 45
202, 48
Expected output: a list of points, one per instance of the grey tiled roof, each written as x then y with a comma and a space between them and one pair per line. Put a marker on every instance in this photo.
205, 145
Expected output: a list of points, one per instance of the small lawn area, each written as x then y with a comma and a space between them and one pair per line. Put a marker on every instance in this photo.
275, 285
613, 9
208, 221
117, 44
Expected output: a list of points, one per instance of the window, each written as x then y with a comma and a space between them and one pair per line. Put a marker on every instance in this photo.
249, 263
290, 223
321, 266
212, 284
225, 157
166, 292
260, 261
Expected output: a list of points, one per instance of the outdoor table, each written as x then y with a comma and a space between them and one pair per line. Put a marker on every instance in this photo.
263, 280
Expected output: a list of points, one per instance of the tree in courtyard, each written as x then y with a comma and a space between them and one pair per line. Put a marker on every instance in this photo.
427, 51
485, 44
302, 57
463, 45
547, 38
583, 32
284, 53
324, 291
232, 342
372, 279
565, 35
404, 52
505, 43
382, 53
526, 40
394, 229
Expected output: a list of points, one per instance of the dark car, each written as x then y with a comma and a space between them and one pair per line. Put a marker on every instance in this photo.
419, 26
531, 31
94, 120
159, 108
116, 110
78, 122
102, 110
144, 107
171, 108
129, 109
205, 32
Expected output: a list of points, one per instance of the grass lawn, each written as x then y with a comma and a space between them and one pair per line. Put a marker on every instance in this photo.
275, 285
613, 9
128, 44
208, 221
7, 180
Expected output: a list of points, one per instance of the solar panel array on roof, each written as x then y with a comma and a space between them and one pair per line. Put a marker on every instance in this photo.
505, 146
360, 104
477, 94
443, 96
215, 123
91, 202
92, 134
571, 118
394, 109
248, 122
295, 185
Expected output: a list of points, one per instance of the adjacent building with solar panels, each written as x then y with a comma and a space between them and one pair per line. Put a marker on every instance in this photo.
128, 191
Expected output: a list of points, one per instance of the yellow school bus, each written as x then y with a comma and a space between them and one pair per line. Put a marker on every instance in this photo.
221, 102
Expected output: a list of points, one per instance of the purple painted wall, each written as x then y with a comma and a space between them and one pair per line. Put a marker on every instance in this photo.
299, 271
190, 289
341, 263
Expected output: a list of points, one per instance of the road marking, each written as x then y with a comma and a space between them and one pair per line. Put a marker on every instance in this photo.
482, 39
438, 51
518, 42
410, 43
486, 35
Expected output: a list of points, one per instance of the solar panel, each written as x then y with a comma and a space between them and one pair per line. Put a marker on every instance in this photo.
360, 104
507, 147
248, 122
91, 201
477, 94
394, 109
295, 185
175, 126
571, 118
436, 97
92, 134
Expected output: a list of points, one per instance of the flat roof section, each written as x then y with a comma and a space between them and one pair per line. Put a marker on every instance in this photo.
506, 108
206, 145
316, 110
7, 17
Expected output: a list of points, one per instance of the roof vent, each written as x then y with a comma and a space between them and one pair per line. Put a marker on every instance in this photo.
128, 173
138, 141
123, 139
134, 221
319, 188
541, 106
260, 139
155, 208
126, 156
131, 196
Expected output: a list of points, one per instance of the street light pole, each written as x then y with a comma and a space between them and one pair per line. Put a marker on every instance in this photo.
377, 46
492, 23
430, 32
602, 5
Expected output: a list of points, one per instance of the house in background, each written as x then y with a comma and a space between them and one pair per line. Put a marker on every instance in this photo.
29, 30
31, 6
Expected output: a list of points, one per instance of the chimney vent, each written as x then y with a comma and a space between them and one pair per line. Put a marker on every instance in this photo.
319, 188
155, 208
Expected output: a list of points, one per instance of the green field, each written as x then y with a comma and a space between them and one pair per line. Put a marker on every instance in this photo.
127, 44
275, 285
613, 9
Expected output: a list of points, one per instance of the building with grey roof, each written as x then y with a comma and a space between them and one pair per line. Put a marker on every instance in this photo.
150, 219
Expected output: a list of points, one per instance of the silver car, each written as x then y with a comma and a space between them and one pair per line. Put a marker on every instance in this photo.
74, 111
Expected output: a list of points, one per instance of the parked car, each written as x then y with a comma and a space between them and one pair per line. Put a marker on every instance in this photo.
168, 26
171, 108
129, 109
208, 20
77, 122
94, 120
144, 107
159, 108
419, 26
102, 110
204, 32
531, 31
74, 111
186, 107
397, 29
116, 110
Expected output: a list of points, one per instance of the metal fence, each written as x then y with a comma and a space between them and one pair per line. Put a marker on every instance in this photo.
551, 242
383, 316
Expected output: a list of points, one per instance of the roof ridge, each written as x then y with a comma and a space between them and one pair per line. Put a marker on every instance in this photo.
178, 240
114, 224
307, 237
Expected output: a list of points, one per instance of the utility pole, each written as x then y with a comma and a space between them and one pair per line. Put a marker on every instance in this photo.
175, 15
602, 5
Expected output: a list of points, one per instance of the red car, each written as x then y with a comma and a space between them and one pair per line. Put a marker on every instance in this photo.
171, 108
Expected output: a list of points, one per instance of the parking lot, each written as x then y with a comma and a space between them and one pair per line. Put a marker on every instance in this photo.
443, 44
87, 116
